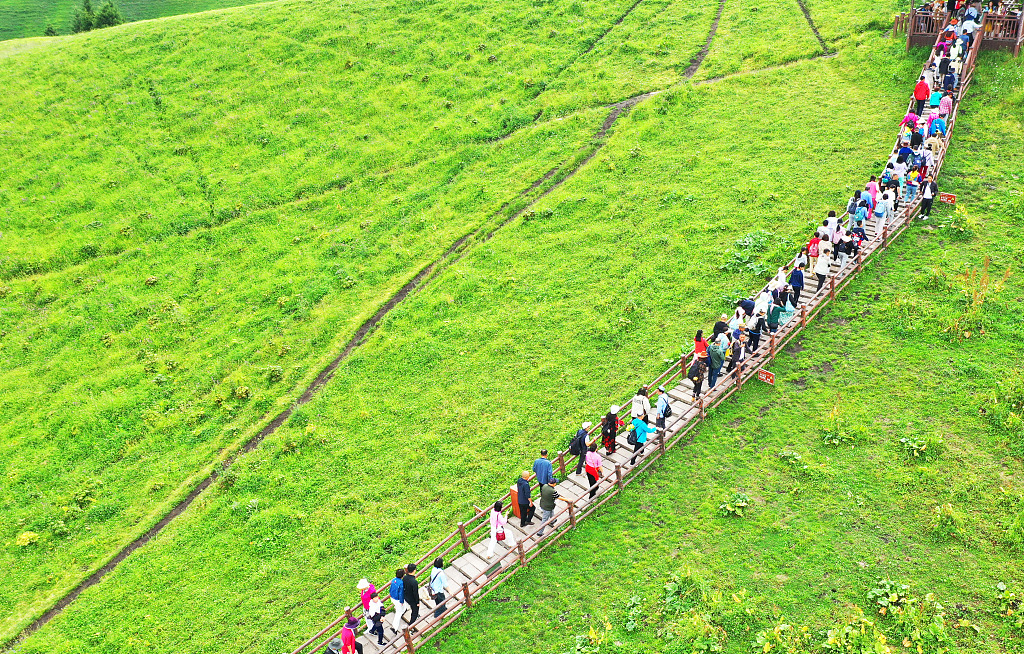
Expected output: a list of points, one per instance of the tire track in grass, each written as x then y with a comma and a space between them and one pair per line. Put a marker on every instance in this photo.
810, 22
419, 281
695, 63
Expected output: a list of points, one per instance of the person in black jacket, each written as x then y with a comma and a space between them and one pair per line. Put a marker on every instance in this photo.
928, 192
756, 328
411, 594
696, 373
526, 507
580, 444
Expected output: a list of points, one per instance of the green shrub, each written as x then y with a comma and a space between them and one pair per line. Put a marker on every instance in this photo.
1009, 608
927, 448
856, 635
783, 638
736, 505
1004, 410
921, 625
946, 523
888, 595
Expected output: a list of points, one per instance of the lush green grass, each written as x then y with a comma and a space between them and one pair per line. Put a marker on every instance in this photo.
274, 216
496, 357
818, 537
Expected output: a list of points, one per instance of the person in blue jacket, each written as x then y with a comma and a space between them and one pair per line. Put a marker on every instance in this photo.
397, 594
642, 431
938, 125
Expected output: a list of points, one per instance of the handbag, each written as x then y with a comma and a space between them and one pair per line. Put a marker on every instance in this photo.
499, 535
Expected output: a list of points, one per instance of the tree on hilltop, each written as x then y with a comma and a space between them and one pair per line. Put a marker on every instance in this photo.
86, 19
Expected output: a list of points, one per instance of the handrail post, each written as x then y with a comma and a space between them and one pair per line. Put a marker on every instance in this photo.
700, 405
771, 345
661, 440
803, 316
831, 289
561, 464
618, 475
462, 535
739, 374
885, 235
572, 513
860, 259
465, 591
522, 554
408, 641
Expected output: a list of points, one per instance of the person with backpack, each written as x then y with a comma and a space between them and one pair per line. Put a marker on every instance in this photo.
696, 373
851, 205
796, 282
716, 359
882, 212
663, 410
610, 429
578, 445
638, 436
396, 592
812, 250
929, 191
801, 258
498, 533
593, 468
437, 586
641, 405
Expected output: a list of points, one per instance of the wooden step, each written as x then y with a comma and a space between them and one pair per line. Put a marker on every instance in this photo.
472, 564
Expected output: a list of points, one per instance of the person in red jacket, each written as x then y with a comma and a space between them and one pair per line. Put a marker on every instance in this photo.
921, 93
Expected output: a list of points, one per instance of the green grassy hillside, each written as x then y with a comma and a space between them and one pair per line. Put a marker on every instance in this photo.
26, 18
198, 214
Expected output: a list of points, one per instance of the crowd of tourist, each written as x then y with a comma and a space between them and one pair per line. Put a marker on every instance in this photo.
732, 340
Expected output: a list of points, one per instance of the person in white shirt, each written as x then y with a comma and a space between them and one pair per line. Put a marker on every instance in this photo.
641, 405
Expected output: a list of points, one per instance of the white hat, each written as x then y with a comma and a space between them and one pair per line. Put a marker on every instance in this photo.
662, 389
614, 408
587, 424
363, 584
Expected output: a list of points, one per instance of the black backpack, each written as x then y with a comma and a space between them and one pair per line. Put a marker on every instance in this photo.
668, 410
574, 446
632, 438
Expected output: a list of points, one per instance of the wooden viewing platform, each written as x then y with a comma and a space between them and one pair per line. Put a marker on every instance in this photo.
1003, 31
472, 576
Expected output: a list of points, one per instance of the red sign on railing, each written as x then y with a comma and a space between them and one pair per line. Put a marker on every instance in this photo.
766, 376
948, 198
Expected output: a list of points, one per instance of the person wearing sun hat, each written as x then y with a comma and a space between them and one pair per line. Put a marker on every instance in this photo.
349, 644
366, 591
696, 373
579, 445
